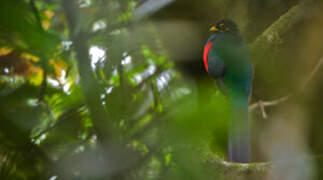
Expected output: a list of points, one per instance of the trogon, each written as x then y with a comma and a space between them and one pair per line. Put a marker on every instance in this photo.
227, 60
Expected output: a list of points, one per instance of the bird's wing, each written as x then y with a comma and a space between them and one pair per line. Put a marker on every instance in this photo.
215, 63
217, 68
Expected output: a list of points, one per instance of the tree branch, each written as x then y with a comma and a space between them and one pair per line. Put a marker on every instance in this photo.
91, 89
36, 13
149, 7
271, 37
254, 171
43, 86
229, 170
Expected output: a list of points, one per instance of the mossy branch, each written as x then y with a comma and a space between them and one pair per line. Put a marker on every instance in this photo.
272, 36
259, 170
238, 171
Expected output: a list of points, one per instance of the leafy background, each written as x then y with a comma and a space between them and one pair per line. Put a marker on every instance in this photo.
117, 90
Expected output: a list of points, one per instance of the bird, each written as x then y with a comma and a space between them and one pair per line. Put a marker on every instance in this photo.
227, 60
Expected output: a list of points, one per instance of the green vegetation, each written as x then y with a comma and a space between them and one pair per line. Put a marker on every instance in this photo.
107, 89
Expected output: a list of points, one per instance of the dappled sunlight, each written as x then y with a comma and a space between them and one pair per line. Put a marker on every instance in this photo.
66, 45
99, 25
141, 76
98, 56
127, 60
53, 82
163, 79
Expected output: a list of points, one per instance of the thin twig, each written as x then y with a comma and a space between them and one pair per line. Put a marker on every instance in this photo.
263, 104
43, 87
263, 110
314, 71
269, 103
44, 82
67, 114
36, 13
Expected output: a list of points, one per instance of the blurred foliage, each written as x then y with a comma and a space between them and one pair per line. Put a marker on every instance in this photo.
165, 121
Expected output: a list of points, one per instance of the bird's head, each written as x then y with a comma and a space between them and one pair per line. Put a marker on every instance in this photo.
225, 26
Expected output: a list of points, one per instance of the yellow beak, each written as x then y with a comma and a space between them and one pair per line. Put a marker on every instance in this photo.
213, 28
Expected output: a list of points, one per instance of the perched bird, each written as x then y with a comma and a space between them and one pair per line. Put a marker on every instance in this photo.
227, 60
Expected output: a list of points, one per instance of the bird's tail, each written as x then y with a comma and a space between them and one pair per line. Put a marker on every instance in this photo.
239, 132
